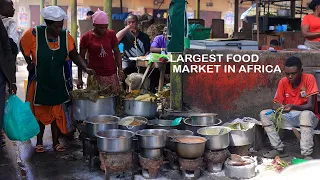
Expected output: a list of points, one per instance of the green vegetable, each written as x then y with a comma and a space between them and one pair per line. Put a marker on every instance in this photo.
237, 126
277, 119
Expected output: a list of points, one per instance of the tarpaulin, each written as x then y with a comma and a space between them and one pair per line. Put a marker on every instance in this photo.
177, 24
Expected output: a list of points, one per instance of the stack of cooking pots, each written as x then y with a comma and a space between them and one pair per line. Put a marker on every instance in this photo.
216, 146
152, 142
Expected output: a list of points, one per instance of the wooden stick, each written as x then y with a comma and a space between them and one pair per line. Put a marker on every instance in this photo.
145, 75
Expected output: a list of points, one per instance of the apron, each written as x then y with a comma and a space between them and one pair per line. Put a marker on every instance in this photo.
51, 86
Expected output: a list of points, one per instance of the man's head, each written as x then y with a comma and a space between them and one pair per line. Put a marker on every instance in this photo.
100, 22
54, 17
314, 5
165, 31
293, 69
89, 15
6, 8
133, 21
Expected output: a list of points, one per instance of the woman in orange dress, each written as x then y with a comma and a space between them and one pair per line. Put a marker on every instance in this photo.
50, 47
310, 26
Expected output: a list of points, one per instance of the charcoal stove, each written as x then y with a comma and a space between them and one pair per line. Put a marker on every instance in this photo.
172, 157
150, 167
215, 159
240, 150
117, 163
191, 168
89, 147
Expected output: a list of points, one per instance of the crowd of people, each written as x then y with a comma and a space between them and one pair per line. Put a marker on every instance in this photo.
48, 50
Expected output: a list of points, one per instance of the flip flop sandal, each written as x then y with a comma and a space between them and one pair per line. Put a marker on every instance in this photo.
59, 148
39, 148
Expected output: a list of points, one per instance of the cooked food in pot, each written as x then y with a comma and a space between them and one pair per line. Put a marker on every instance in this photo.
189, 140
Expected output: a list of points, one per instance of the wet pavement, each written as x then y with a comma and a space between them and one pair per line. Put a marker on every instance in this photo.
8, 168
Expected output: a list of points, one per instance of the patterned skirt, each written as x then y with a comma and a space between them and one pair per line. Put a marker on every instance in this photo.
112, 80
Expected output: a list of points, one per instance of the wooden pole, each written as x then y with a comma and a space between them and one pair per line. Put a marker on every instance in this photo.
176, 85
257, 19
41, 7
107, 7
54, 2
236, 15
73, 8
198, 10
293, 8
121, 6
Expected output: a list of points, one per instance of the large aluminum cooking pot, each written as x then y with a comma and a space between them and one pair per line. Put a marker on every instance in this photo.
242, 137
195, 124
152, 138
173, 133
79, 109
190, 147
161, 124
83, 109
100, 123
140, 108
216, 141
114, 140
124, 123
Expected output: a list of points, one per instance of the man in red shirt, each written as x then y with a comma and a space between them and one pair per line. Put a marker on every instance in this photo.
297, 96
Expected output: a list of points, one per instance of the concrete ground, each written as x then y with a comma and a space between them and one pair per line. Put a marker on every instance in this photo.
71, 164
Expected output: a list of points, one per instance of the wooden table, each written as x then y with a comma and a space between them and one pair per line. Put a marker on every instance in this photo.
159, 65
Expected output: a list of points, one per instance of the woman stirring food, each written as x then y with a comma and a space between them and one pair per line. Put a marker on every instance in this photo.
310, 26
104, 56
50, 47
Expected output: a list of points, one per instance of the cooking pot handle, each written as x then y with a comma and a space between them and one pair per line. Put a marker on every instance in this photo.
95, 134
130, 127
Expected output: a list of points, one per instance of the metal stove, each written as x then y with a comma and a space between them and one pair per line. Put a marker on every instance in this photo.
89, 147
116, 162
172, 157
150, 167
191, 168
215, 159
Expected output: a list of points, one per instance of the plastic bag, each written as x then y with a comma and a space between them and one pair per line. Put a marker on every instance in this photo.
134, 80
19, 123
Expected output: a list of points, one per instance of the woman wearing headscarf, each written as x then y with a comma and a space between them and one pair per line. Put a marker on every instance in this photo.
46, 50
101, 44
310, 26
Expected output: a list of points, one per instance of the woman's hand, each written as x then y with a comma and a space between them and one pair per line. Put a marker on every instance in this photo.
13, 89
80, 84
121, 75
